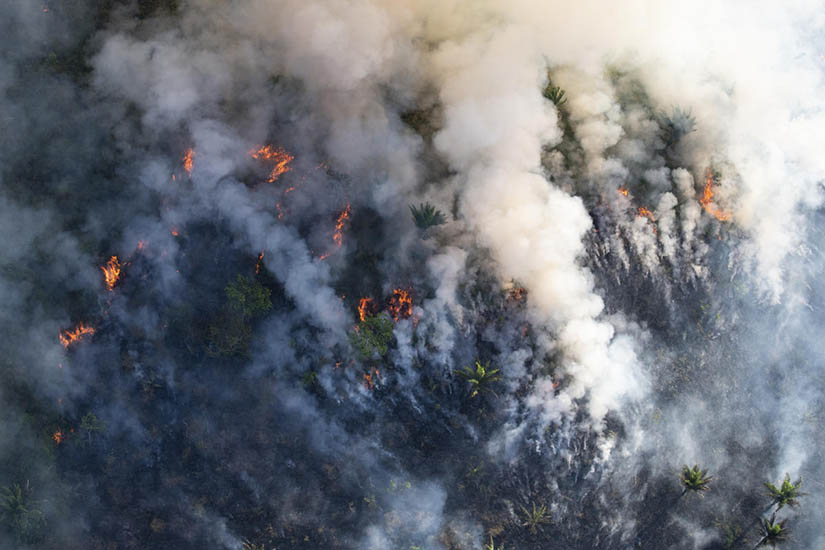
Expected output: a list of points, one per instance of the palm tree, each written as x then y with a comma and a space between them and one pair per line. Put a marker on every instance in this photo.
534, 519
787, 493
694, 479
20, 512
773, 532
480, 378
426, 215
555, 94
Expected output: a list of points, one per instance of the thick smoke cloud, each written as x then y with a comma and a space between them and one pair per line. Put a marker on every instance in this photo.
635, 263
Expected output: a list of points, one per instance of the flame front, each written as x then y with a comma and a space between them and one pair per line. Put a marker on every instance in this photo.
624, 191
370, 378
70, 336
400, 304
58, 436
338, 236
279, 157
111, 272
707, 199
188, 161
365, 307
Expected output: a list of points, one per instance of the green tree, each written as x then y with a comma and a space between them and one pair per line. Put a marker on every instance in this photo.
694, 479
773, 532
787, 493
21, 514
554, 94
90, 424
426, 215
372, 336
534, 519
480, 378
231, 331
248, 297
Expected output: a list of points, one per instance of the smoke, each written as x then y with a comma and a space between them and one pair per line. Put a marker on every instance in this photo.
626, 238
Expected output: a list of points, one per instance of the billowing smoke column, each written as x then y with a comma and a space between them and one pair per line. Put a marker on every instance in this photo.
452, 274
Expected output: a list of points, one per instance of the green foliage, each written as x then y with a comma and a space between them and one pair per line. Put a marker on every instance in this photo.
480, 378
90, 424
554, 94
310, 378
426, 215
787, 493
21, 514
231, 332
492, 545
248, 297
372, 336
534, 519
773, 532
695, 479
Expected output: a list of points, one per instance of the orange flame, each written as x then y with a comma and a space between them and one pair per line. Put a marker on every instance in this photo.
175, 232
58, 436
400, 304
111, 272
188, 161
338, 236
646, 213
517, 293
365, 307
370, 378
707, 199
280, 157
258, 264
624, 191
69, 336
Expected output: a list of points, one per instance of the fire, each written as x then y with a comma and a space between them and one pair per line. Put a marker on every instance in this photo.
707, 199
370, 378
175, 232
645, 213
111, 272
188, 160
258, 264
58, 436
338, 236
624, 191
68, 336
400, 304
280, 157
517, 293
365, 307
141, 245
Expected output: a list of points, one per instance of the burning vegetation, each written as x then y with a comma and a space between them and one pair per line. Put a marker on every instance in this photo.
188, 160
400, 304
111, 272
278, 158
71, 336
707, 197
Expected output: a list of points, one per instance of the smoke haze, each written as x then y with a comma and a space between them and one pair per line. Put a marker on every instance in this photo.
620, 273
